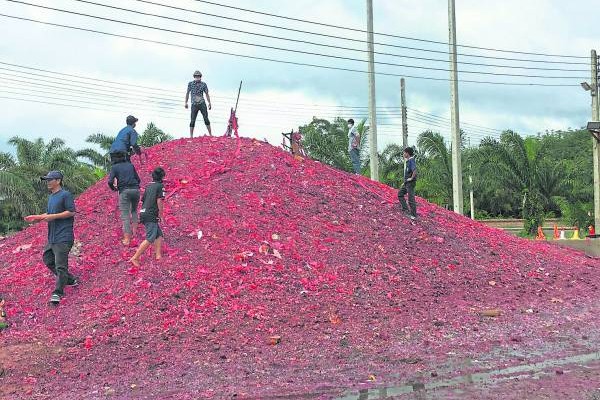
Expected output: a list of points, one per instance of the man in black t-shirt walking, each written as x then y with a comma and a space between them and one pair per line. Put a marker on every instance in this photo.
150, 214
198, 89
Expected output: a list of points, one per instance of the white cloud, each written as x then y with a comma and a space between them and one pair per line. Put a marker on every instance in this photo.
269, 90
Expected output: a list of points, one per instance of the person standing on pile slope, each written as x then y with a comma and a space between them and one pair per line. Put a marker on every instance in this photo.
60, 217
410, 182
125, 143
128, 185
198, 89
354, 146
151, 214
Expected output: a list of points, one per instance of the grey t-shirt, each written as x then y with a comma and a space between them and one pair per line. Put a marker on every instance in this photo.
197, 89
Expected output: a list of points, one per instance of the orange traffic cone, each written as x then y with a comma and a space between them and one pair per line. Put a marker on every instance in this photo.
540, 234
556, 235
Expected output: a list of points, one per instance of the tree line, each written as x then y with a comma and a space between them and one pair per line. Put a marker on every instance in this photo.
22, 192
536, 177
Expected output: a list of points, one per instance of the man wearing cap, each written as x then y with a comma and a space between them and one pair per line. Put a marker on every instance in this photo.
126, 142
60, 217
197, 88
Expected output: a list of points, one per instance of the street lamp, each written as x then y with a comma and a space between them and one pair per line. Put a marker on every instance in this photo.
587, 87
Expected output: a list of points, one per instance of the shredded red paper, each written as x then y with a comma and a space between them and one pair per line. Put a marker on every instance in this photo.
279, 276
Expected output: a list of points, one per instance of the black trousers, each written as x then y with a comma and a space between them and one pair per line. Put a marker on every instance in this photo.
120, 156
56, 258
203, 110
408, 187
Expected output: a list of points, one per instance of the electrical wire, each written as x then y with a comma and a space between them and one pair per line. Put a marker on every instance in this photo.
277, 48
175, 102
229, 29
275, 60
425, 114
385, 34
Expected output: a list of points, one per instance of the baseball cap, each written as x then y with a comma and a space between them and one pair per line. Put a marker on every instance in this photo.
131, 120
52, 175
197, 73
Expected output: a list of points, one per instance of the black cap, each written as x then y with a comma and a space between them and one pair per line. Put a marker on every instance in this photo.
131, 120
52, 175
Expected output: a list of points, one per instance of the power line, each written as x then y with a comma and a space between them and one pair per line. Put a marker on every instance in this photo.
305, 41
388, 112
163, 90
95, 91
297, 51
470, 131
447, 120
120, 111
100, 97
385, 34
272, 59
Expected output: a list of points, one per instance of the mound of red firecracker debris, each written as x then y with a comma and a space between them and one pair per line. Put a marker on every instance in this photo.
280, 276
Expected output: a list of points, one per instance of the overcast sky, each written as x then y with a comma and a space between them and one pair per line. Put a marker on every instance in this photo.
150, 79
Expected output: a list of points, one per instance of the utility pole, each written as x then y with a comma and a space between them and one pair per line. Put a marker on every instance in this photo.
374, 160
457, 191
403, 108
596, 145
471, 197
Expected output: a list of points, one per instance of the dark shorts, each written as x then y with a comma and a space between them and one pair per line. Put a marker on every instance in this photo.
202, 108
153, 231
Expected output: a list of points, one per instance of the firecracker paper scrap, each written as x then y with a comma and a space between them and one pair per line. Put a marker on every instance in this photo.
279, 276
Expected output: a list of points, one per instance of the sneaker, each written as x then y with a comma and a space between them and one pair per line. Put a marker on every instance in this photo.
73, 282
55, 298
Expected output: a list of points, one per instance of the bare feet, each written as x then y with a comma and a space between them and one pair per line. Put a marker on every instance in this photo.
134, 261
158, 256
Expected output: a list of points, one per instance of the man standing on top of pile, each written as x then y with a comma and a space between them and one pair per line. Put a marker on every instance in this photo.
125, 143
354, 146
60, 218
198, 88
128, 185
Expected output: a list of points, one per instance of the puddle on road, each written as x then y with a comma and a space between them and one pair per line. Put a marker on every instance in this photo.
524, 371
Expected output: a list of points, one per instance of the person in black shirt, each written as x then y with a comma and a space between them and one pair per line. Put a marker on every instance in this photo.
128, 185
150, 214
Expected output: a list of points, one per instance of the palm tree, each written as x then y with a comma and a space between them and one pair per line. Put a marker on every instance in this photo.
96, 158
435, 167
518, 165
327, 142
152, 135
20, 185
391, 165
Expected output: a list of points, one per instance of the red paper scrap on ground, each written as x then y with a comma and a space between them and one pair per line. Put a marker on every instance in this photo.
291, 249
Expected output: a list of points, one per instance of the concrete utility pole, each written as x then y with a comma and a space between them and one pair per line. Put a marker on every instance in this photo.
403, 108
471, 197
596, 145
457, 190
374, 160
